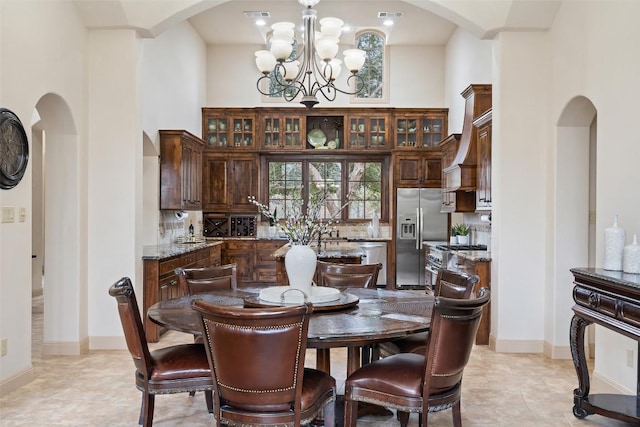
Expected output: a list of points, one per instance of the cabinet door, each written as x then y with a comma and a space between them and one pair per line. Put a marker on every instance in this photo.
431, 171
264, 263
240, 253
243, 182
407, 169
215, 183
191, 176
483, 193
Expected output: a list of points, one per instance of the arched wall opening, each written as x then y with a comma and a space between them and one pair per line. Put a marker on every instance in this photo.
574, 218
58, 227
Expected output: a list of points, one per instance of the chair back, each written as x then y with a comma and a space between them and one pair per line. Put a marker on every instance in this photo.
123, 292
451, 284
256, 355
198, 280
347, 275
454, 323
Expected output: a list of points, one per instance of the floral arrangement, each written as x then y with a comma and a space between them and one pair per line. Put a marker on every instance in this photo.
301, 228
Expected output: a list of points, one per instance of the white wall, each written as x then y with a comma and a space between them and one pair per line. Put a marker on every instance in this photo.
468, 61
173, 93
42, 50
593, 55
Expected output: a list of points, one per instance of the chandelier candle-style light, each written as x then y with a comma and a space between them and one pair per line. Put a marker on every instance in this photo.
305, 74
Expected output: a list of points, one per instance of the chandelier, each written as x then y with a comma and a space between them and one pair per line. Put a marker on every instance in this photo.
314, 67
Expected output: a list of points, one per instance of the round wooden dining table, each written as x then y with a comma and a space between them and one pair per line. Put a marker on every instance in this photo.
377, 315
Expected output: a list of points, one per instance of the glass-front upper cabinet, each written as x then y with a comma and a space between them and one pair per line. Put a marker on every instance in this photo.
225, 128
367, 131
420, 128
282, 131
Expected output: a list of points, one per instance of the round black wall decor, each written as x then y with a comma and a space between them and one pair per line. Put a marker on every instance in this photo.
14, 149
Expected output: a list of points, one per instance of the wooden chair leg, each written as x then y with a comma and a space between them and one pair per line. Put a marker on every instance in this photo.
146, 410
403, 417
350, 413
457, 415
208, 396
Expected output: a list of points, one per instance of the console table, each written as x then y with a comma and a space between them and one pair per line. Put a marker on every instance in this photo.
610, 299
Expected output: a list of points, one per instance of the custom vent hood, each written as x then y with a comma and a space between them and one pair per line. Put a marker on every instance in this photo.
460, 176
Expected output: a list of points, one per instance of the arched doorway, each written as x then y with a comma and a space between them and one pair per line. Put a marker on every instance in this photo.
58, 226
574, 213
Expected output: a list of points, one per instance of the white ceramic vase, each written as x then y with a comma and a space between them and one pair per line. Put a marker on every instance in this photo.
614, 241
300, 262
631, 258
463, 240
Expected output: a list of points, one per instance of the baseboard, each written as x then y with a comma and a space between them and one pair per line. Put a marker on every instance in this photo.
108, 343
14, 383
515, 346
604, 385
557, 351
50, 348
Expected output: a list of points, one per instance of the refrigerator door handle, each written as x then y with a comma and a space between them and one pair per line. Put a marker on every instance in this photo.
421, 227
418, 229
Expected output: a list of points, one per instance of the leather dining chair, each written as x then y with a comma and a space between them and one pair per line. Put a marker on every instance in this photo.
423, 383
174, 369
342, 276
198, 280
257, 363
449, 284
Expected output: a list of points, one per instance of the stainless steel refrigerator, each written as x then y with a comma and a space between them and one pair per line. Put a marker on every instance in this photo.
418, 219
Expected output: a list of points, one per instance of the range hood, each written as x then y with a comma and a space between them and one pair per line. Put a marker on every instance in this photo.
461, 174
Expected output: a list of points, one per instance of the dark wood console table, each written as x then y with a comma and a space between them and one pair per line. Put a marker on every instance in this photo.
610, 299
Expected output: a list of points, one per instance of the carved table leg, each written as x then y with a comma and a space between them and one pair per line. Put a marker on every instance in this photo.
576, 340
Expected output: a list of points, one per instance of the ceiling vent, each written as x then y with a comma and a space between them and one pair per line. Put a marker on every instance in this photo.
256, 14
391, 15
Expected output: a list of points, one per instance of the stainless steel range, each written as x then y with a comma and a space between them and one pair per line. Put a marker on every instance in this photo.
439, 256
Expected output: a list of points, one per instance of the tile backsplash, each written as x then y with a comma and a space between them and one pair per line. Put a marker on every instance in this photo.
170, 228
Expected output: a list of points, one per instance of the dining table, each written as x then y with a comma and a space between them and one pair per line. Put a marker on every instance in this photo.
362, 317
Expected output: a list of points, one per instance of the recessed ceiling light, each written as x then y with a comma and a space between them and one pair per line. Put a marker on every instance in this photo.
261, 22
388, 22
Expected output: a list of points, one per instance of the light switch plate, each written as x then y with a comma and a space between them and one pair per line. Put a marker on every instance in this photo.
8, 214
4, 347
22, 214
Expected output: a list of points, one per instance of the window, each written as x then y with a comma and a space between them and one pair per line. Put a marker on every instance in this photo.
374, 70
360, 183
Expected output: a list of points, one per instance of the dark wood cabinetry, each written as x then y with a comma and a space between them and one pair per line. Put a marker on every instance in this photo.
232, 128
264, 267
419, 128
180, 170
418, 169
281, 130
483, 270
161, 283
483, 179
228, 181
370, 130
240, 252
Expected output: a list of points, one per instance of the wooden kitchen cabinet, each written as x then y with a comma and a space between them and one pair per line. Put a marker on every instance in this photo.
228, 128
281, 130
483, 180
264, 266
368, 131
227, 182
240, 252
418, 169
180, 170
419, 128
160, 282
483, 270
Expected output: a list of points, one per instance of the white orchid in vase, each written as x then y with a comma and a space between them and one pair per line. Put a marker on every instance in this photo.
302, 228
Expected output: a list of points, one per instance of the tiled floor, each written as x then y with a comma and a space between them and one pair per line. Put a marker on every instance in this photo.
98, 390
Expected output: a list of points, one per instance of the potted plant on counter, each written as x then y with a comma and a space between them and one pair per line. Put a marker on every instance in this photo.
463, 234
453, 237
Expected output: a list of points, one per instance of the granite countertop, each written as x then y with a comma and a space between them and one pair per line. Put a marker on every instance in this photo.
329, 250
174, 249
474, 255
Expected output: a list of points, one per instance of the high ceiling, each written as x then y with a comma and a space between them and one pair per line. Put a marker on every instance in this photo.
423, 22
227, 23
